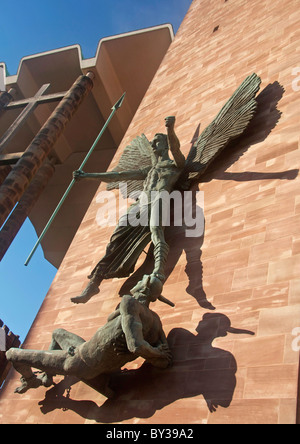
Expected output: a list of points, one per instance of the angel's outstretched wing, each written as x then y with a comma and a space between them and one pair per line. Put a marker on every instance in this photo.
230, 123
136, 156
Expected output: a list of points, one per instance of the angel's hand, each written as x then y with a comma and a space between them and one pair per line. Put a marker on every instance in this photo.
170, 121
78, 175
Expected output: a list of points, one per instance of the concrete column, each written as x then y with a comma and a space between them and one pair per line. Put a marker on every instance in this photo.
6, 98
25, 169
25, 205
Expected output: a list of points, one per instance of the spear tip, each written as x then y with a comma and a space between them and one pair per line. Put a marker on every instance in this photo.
119, 102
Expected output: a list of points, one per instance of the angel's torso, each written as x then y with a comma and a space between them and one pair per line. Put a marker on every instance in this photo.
162, 177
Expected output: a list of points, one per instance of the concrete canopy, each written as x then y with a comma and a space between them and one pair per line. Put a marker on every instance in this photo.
125, 62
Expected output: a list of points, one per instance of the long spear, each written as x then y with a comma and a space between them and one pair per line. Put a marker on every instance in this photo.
114, 109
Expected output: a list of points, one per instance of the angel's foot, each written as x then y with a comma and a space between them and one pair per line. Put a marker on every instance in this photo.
91, 290
27, 384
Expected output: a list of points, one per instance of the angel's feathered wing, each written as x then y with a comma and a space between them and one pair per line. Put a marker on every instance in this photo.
230, 123
136, 156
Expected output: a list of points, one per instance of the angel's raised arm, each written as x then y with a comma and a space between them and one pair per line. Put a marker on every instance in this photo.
174, 143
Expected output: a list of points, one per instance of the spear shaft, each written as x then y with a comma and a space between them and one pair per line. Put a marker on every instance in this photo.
114, 109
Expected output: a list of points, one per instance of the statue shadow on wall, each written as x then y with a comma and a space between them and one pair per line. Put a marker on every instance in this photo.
262, 124
198, 368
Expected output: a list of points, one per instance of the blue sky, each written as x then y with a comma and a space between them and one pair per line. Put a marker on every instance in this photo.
34, 26
40, 25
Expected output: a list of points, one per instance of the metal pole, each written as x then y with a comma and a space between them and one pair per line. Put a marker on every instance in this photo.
114, 109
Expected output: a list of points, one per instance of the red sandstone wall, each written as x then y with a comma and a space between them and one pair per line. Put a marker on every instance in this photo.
251, 249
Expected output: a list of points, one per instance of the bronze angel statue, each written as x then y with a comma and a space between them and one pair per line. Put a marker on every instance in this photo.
155, 172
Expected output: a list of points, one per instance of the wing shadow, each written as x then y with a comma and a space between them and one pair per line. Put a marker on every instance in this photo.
264, 121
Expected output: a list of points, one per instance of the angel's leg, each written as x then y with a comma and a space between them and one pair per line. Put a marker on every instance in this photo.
90, 290
157, 228
161, 251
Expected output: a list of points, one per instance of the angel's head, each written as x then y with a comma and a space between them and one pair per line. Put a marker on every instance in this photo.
160, 145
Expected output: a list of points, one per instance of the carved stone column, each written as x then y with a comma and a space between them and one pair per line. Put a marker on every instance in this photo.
25, 169
4, 172
25, 205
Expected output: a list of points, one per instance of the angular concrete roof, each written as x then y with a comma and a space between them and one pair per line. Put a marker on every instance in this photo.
125, 62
